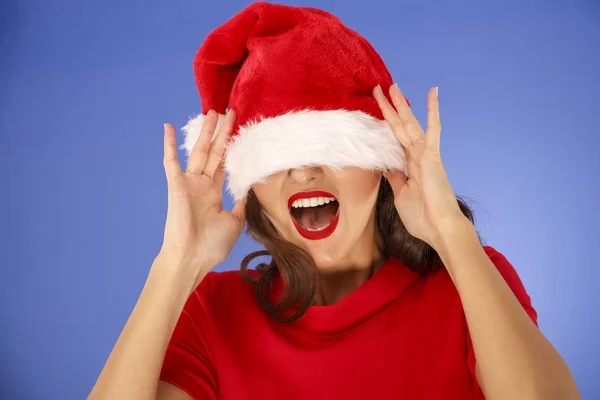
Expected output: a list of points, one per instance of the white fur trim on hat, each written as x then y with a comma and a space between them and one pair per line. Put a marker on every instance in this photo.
336, 138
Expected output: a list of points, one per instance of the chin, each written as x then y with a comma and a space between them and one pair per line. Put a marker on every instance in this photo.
328, 253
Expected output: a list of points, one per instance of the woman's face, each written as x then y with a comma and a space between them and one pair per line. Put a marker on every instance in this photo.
328, 213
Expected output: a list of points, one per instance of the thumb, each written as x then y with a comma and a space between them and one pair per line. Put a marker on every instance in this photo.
397, 180
239, 210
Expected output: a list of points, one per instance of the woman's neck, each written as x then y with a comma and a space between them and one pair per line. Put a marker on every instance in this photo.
366, 258
335, 284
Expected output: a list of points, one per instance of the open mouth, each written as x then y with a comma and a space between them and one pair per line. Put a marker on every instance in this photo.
314, 214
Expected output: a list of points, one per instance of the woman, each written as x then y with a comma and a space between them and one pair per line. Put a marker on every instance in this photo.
378, 287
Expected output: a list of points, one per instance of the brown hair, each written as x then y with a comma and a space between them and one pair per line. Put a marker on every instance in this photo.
298, 270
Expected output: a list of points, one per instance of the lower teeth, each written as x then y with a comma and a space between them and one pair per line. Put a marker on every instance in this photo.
316, 229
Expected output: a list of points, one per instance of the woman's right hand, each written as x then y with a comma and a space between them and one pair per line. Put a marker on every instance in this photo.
199, 234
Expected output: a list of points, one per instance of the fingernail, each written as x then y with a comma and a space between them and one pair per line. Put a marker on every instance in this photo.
165, 127
437, 90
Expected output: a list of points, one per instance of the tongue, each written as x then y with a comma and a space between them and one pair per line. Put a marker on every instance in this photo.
316, 218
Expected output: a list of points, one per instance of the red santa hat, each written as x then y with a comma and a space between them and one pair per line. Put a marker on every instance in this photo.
301, 84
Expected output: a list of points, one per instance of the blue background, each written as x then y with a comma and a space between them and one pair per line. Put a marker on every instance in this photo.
86, 86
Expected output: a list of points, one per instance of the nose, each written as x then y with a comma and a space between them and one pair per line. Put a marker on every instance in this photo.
305, 174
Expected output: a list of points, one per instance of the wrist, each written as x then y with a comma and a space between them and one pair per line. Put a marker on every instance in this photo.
453, 233
180, 276
181, 264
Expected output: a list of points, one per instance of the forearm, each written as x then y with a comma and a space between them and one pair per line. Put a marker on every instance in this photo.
514, 359
133, 367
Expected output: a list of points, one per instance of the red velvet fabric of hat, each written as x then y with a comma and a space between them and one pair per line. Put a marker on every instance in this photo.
301, 84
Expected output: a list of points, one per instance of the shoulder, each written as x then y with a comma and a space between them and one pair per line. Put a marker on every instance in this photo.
230, 283
501, 263
499, 260
224, 291
512, 279
506, 269
440, 284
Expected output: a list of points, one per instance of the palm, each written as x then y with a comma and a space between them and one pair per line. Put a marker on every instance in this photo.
410, 202
424, 200
200, 200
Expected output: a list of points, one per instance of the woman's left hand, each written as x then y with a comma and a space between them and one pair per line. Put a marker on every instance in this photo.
425, 200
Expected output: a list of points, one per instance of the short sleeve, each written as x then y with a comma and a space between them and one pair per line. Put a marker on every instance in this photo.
514, 282
187, 363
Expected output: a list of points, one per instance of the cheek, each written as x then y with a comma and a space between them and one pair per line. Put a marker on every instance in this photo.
360, 188
272, 206
279, 220
358, 199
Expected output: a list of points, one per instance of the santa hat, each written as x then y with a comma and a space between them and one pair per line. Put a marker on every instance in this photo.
301, 84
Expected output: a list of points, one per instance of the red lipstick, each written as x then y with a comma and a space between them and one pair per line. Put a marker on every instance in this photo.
314, 235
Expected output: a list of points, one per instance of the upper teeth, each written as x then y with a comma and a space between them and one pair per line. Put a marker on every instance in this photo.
312, 202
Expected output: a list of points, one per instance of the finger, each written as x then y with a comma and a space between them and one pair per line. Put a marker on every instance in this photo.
239, 210
391, 117
219, 177
409, 121
215, 154
199, 153
170, 159
434, 126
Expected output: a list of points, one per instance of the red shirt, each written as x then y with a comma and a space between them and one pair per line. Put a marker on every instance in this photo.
397, 336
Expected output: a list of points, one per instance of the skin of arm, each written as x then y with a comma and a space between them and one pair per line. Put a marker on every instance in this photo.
133, 368
514, 359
